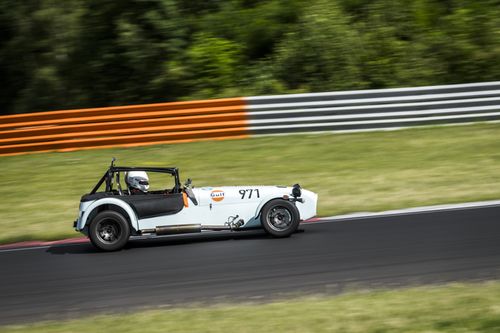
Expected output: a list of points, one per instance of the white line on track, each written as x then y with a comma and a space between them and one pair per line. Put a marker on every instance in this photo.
409, 211
31, 248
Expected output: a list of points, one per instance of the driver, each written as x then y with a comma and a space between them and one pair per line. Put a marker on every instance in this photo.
137, 182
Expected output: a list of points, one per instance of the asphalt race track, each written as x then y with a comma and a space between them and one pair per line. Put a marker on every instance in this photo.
75, 280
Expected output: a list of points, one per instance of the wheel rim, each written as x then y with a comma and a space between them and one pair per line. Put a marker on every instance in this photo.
279, 218
108, 231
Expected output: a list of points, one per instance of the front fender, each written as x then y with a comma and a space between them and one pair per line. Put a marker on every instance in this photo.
108, 201
264, 201
307, 208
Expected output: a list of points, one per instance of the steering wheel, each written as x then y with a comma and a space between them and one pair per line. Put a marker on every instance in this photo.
170, 191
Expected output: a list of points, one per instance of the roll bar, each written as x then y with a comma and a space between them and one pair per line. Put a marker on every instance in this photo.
109, 174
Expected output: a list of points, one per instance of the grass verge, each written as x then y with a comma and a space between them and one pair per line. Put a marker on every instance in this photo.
452, 308
369, 171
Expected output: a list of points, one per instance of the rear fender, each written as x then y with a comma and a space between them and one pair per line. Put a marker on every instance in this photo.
132, 217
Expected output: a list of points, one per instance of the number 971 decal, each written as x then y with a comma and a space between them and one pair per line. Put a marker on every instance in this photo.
248, 193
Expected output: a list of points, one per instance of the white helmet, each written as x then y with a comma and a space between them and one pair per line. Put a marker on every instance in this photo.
138, 180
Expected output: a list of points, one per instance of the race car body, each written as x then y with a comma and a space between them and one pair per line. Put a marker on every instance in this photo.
111, 216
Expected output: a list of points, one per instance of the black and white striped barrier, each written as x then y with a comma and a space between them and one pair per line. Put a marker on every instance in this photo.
364, 110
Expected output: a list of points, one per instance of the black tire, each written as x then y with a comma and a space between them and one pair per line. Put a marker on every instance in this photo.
109, 231
280, 218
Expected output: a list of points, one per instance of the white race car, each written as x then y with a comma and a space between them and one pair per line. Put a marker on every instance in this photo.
111, 216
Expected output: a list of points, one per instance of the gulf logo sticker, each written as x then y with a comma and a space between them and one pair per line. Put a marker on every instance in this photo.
217, 195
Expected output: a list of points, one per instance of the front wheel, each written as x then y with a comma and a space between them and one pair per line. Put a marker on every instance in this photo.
280, 218
109, 231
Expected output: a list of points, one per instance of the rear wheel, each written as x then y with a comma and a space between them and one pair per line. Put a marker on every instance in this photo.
109, 231
280, 218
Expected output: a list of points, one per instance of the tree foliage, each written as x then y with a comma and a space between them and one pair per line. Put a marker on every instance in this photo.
76, 53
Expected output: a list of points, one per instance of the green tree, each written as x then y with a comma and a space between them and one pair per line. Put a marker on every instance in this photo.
84, 53
124, 52
323, 53
214, 66
394, 53
257, 26
35, 48
467, 41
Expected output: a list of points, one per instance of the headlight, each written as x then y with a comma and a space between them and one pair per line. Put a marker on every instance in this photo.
296, 191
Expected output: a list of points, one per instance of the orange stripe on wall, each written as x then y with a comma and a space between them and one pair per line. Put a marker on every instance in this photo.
115, 125
142, 144
123, 126
124, 140
114, 110
126, 132
147, 114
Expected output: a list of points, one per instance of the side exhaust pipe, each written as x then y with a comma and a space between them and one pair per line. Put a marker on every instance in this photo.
173, 229
190, 228
178, 229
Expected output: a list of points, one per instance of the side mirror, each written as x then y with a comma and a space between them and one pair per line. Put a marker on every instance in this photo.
188, 182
